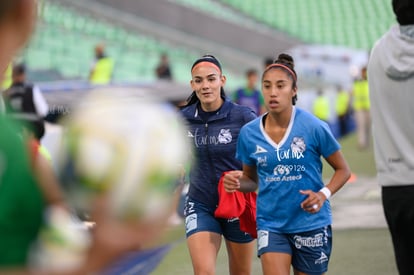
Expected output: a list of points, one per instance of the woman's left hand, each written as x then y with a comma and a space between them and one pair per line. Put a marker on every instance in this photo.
313, 202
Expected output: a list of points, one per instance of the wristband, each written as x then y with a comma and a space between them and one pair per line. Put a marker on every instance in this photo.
326, 192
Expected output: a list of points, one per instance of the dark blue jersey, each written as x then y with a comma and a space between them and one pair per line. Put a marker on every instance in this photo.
214, 138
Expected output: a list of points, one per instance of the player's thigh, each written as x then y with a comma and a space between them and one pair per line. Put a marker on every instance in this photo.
240, 256
276, 263
275, 252
203, 247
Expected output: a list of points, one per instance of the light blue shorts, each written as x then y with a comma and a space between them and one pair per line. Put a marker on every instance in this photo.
310, 250
199, 217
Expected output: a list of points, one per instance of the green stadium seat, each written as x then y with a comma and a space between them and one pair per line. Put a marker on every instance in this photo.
65, 39
318, 21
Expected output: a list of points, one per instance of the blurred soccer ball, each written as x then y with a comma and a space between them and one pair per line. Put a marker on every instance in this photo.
128, 148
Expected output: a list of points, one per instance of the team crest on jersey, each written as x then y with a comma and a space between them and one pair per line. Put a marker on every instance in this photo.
298, 145
225, 136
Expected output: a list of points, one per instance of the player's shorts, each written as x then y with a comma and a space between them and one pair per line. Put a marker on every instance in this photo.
310, 250
200, 217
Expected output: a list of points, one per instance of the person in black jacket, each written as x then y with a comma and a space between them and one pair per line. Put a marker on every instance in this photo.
25, 102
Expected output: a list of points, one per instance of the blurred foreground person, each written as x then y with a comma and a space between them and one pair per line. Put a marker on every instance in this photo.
391, 83
23, 201
214, 123
281, 154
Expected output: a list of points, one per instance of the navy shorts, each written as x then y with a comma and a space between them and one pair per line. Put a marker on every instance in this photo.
310, 250
199, 217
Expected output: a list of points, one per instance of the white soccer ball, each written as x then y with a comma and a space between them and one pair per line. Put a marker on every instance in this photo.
129, 148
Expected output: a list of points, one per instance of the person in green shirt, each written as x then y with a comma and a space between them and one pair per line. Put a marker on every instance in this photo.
21, 199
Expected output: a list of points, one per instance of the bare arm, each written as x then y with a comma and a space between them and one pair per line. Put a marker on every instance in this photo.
244, 181
48, 182
339, 178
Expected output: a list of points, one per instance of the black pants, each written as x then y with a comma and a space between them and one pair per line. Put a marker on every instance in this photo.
398, 203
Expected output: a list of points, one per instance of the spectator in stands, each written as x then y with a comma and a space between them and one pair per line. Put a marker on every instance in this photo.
391, 84
321, 106
249, 95
25, 102
102, 70
214, 123
163, 69
361, 106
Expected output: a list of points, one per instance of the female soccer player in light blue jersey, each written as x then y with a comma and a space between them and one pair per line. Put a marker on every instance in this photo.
281, 154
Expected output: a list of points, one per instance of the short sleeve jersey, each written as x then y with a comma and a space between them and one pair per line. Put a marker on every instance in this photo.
286, 168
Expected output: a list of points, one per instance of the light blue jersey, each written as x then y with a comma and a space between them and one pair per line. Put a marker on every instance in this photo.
285, 168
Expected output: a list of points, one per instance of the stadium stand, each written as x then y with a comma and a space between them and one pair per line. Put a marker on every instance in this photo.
352, 23
136, 33
356, 24
65, 39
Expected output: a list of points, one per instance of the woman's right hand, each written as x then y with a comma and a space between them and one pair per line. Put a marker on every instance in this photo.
231, 180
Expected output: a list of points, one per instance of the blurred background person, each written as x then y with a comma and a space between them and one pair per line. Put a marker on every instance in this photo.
342, 110
7, 77
267, 61
361, 105
5, 83
321, 106
249, 95
25, 102
391, 84
163, 69
103, 67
